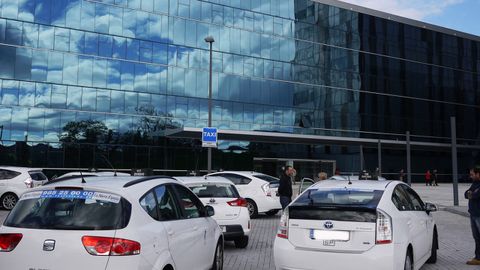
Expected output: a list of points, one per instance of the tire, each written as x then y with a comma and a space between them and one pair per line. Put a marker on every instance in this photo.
272, 212
9, 200
252, 208
408, 261
433, 255
218, 258
241, 242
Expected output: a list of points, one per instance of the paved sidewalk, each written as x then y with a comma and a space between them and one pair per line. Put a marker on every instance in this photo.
442, 196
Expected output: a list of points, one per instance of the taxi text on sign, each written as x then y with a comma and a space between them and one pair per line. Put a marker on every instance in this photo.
209, 137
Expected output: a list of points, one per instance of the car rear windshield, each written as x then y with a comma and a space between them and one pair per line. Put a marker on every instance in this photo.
337, 204
70, 210
37, 175
215, 191
267, 178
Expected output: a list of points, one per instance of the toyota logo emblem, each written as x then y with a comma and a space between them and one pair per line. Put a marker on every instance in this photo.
328, 225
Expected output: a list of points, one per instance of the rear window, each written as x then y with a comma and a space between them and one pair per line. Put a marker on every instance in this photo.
37, 176
7, 174
215, 191
267, 178
70, 210
353, 205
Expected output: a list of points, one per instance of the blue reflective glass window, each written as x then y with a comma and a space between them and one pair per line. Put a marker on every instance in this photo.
217, 14
238, 64
30, 35
144, 102
42, 11
190, 83
14, 30
91, 43
7, 58
59, 96
114, 74
173, 7
116, 20
39, 65
102, 16
88, 16
237, 114
46, 37
19, 124
131, 102
55, 67
181, 108
141, 29
23, 64
140, 81
3, 27
154, 78
85, 70
122, 3
129, 23
154, 27
58, 12
193, 108
179, 31
73, 13
206, 12
159, 104
10, 9
182, 57
26, 96
100, 73
128, 71
43, 93
62, 39
178, 82
103, 100
133, 48
70, 69
147, 5
146, 51
105, 46
228, 16
227, 111
74, 98
52, 126
195, 10
77, 41
89, 99
119, 47
117, 102
238, 16
10, 92
171, 106
134, 4
202, 84
160, 6
26, 10
248, 110
160, 54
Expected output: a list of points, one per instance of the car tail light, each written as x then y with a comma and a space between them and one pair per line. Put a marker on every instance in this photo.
109, 246
238, 202
8, 241
384, 228
29, 182
283, 227
266, 189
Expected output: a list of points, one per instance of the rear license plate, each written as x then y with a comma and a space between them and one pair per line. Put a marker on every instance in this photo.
329, 243
329, 235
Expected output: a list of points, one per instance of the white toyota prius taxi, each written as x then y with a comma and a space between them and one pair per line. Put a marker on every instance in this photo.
121, 223
356, 225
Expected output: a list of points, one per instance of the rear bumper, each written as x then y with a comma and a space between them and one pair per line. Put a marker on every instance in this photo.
287, 257
233, 232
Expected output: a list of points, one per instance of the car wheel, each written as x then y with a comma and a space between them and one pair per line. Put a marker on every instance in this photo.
9, 200
252, 208
408, 261
272, 212
218, 259
241, 242
433, 254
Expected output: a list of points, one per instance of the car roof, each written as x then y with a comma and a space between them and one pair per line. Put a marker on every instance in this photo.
86, 173
203, 179
246, 173
22, 169
361, 184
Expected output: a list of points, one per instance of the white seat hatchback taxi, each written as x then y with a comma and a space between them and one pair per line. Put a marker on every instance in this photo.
356, 225
231, 211
111, 223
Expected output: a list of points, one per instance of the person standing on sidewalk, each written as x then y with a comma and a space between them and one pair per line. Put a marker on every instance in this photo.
428, 178
434, 178
285, 187
473, 196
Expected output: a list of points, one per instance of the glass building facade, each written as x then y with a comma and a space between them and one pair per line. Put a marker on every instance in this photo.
84, 81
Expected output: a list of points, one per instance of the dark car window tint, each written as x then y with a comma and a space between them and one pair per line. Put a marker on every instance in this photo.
237, 179
37, 176
149, 204
417, 203
400, 199
189, 203
340, 197
267, 178
7, 174
215, 191
167, 208
70, 210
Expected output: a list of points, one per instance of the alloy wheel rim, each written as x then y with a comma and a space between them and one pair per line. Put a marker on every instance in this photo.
9, 201
251, 208
219, 259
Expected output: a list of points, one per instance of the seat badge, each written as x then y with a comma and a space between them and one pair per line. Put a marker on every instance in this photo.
49, 245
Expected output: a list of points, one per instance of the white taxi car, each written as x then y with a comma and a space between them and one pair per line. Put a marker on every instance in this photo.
260, 191
111, 223
231, 211
356, 225
16, 180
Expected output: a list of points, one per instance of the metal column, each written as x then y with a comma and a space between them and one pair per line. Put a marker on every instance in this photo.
453, 126
409, 160
379, 157
362, 163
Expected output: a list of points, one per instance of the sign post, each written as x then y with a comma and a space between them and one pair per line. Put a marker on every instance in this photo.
209, 137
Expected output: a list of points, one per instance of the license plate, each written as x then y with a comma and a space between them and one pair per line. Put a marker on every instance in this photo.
329, 235
329, 243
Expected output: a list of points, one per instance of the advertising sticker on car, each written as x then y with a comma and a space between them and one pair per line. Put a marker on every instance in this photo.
72, 194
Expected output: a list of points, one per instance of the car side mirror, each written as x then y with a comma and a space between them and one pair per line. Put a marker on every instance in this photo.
430, 207
209, 211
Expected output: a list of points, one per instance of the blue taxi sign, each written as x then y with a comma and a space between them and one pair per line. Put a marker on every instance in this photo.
209, 137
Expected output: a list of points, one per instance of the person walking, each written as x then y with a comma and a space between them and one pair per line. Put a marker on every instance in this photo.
285, 187
473, 196
434, 178
428, 177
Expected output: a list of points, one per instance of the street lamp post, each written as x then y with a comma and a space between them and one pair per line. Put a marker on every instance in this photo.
210, 40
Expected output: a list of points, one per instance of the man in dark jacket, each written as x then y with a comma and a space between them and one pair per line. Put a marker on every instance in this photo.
473, 196
285, 187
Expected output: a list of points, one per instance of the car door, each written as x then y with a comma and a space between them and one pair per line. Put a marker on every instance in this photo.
422, 221
197, 251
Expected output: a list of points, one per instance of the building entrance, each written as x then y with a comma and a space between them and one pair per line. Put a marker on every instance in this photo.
304, 167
